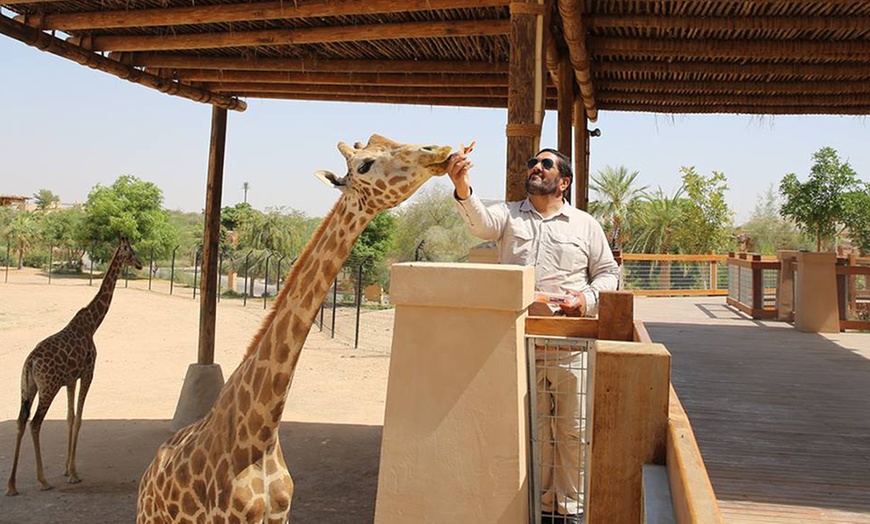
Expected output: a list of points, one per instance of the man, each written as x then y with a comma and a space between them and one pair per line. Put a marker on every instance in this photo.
571, 256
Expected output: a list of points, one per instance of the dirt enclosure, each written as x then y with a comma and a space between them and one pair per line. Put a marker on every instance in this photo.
332, 422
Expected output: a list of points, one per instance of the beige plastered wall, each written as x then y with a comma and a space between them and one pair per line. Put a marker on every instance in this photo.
816, 293
456, 395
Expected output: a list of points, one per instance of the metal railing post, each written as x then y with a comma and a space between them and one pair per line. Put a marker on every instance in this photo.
359, 274
245, 294
334, 305
279, 275
172, 271
93, 250
220, 272
150, 268
50, 262
266, 288
195, 270
8, 249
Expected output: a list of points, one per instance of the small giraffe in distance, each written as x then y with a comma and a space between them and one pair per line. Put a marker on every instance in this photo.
229, 467
61, 360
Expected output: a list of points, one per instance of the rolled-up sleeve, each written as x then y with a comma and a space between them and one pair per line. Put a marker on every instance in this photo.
483, 222
603, 269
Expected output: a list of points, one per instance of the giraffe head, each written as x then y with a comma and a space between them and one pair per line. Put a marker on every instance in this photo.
383, 173
126, 255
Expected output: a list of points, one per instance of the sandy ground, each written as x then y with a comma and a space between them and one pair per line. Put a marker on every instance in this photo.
332, 423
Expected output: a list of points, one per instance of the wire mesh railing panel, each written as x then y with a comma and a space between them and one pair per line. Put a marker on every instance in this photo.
558, 429
672, 276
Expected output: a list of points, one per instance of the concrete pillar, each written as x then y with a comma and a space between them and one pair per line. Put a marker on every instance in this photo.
816, 293
785, 285
455, 435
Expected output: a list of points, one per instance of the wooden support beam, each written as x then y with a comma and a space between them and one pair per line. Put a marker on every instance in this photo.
581, 157
759, 70
526, 74
245, 12
371, 79
763, 99
736, 88
574, 31
709, 48
302, 65
55, 46
697, 24
339, 89
565, 112
211, 236
805, 109
309, 35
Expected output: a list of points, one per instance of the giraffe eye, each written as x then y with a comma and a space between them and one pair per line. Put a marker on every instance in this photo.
365, 166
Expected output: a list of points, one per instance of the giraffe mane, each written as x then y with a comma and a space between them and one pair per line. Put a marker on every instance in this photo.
264, 326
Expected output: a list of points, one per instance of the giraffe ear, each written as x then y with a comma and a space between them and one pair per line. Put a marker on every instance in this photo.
329, 178
383, 141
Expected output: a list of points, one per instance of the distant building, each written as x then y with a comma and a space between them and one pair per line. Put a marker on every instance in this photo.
18, 202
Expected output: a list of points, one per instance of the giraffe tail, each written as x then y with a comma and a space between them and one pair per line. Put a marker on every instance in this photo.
28, 391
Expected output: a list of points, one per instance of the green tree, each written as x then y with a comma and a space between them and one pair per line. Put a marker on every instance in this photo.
659, 221
706, 222
858, 218
63, 229
431, 219
618, 200
23, 233
45, 199
768, 231
372, 246
130, 207
820, 206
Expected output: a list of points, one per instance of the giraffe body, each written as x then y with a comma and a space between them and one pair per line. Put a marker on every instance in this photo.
229, 467
63, 359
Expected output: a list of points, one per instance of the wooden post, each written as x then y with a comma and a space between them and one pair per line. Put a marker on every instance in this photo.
210, 248
564, 108
525, 92
581, 157
757, 286
616, 315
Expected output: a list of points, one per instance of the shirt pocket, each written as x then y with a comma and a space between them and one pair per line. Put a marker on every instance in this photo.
522, 246
569, 252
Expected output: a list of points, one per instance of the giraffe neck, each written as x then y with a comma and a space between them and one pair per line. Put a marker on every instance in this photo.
263, 380
92, 315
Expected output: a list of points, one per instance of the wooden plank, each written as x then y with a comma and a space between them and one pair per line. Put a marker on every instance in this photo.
680, 292
562, 327
310, 35
244, 12
691, 491
616, 315
629, 388
674, 258
860, 325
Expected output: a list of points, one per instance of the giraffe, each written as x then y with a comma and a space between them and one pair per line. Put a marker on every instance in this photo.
61, 360
229, 467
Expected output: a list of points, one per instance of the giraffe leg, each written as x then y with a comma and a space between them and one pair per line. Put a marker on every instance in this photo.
77, 425
23, 415
70, 418
35, 427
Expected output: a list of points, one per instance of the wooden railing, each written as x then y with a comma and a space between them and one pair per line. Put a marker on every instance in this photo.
853, 292
674, 275
752, 284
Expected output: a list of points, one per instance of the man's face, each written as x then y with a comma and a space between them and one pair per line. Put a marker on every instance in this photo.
541, 180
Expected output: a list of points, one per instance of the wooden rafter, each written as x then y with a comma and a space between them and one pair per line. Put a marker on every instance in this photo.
56, 46
761, 100
305, 65
312, 35
575, 37
722, 48
855, 70
223, 13
336, 89
731, 87
805, 109
483, 102
729, 23
378, 79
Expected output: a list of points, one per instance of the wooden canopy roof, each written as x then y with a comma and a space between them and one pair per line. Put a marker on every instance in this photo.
723, 56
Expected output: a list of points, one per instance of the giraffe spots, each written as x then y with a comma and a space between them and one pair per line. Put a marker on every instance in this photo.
282, 352
199, 490
404, 169
329, 243
277, 413
241, 459
188, 505
281, 325
182, 476
394, 180
197, 461
255, 512
259, 377
280, 383
173, 509
255, 422
257, 484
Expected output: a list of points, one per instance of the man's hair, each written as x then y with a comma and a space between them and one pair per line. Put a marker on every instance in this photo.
563, 162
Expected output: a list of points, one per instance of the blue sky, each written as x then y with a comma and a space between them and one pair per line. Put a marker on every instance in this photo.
66, 127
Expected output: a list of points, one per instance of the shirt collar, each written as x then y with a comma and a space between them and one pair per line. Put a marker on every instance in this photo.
527, 207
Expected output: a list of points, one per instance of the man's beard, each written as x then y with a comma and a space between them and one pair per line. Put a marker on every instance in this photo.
542, 186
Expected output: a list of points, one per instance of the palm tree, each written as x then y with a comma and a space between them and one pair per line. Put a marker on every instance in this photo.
23, 231
658, 221
617, 201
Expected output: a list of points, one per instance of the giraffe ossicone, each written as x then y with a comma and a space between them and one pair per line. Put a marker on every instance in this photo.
228, 466
61, 360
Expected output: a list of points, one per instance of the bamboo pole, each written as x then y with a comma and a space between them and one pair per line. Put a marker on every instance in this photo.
730, 23
490, 102
702, 70
176, 61
710, 48
245, 12
310, 35
565, 104
734, 87
376, 79
762, 99
575, 36
581, 157
55, 46
805, 109
376, 90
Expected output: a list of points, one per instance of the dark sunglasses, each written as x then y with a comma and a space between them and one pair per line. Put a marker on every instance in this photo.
546, 163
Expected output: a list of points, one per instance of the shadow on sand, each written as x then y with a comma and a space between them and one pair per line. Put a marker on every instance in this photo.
335, 468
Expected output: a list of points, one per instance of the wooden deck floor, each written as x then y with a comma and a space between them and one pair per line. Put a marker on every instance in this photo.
782, 418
